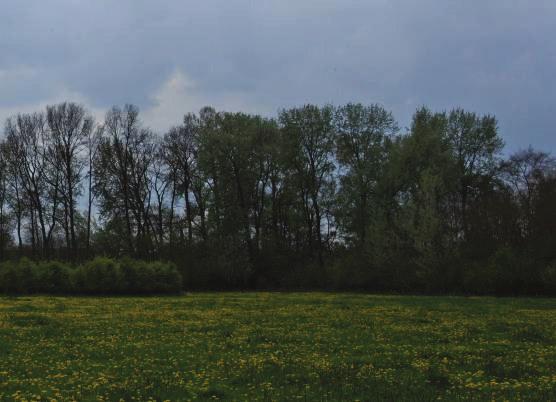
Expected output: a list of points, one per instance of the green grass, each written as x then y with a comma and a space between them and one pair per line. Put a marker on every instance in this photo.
272, 346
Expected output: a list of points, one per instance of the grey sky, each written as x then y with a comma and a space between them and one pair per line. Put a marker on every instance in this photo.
171, 57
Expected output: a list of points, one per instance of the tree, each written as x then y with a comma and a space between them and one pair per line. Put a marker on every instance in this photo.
5, 218
475, 145
14, 193
362, 148
122, 183
94, 138
417, 185
180, 150
234, 156
523, 171
70, 129
26, 136
319, 196
161, 179
530, 174
310, 131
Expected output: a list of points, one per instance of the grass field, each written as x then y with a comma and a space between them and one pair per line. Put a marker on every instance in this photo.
272, 346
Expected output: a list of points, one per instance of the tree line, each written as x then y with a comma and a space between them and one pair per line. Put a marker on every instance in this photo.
315, 197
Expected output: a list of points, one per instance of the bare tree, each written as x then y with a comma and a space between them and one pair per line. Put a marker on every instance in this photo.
93, 140
70, 129
180, 144
26, 136
122, 166
15, 192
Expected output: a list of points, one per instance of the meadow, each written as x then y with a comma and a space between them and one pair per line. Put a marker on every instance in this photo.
277, 346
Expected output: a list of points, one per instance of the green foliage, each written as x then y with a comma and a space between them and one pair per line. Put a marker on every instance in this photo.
320, 196
506, 272
363, 142
549, 278
19, 277
99, 276
53, 277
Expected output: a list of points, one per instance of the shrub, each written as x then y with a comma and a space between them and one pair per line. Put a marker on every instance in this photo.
51, 277
166, 278
502, 273
144, 278
18, 277
99, 276
549, 278
128, 276
9, 280
140, 277
479, 278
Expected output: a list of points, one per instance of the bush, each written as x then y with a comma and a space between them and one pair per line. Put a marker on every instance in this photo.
9, 278
549, 278
479, 278
506, 272
18, 277
52, 277
130, 275
99, 276
139, 277
166, 278
352, 271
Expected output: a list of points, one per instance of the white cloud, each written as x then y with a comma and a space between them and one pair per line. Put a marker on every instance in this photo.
177, 96
62, 95
180, 94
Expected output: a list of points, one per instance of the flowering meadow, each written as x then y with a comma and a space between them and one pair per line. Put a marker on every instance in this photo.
277, 346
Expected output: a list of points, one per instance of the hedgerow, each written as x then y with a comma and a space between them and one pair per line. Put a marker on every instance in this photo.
99, 276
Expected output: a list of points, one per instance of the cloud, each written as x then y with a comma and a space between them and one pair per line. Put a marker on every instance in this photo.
174, 56
62, 95
175, 97
179, 95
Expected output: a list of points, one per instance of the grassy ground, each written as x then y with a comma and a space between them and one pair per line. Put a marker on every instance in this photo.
270, 346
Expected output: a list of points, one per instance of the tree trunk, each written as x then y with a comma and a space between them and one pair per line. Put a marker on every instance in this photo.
89, 207
188, 213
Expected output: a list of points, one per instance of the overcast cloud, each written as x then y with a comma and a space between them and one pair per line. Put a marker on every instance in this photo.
172, 57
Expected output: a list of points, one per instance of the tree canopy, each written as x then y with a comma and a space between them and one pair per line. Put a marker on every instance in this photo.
318, 196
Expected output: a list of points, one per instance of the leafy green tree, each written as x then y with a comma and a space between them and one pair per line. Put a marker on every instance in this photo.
417, 186
363, 138
309, 131
475, 145
235, 157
